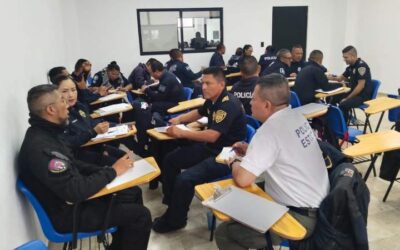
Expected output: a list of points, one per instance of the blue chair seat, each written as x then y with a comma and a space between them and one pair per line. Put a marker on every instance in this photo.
33, 245
353, 133
47, 227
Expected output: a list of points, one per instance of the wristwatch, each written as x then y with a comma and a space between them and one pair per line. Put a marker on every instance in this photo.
235, 160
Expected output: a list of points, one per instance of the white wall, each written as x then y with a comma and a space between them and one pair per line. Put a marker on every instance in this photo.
32, 41
108, 29
373, 28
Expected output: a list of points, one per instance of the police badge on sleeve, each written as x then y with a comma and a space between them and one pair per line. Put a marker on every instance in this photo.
362, 70
57, 166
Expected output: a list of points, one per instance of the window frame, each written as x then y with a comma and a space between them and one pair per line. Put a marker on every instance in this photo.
180, 39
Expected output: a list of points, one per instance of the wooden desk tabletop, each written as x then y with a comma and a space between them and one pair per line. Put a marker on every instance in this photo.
137, 91
117, 95
381, 104
287, 226
95, 115
324, 95
373, 143
233, 75
132, 131
141, 180
185, 105
229, 88
164, 137
320, 110
291, 83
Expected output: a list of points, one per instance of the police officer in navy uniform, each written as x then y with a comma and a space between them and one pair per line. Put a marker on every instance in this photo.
297, 60
359, 76
244, 88
217, 59
111, 77
182, 70
138, 77
281, 65
60, 182
311, 78
226, 123
267, 58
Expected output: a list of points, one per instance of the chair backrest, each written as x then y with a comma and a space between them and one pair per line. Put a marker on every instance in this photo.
394, 114
336, 121
375, 88
33, 245
249, 133
188, 92
253, 122
44, 220
294, 100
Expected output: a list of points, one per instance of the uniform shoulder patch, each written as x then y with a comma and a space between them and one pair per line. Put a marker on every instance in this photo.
225, 99
219, 116
82, 113
57, 166
348, 172
362, 70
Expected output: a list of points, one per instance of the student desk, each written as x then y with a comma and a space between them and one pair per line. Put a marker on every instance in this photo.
233, 75
117, 95
374, 144
138, 181
379, 105
229, 88
195, 126
320, 110
185, 105
325, 95
286, 227
132, 131
95, 115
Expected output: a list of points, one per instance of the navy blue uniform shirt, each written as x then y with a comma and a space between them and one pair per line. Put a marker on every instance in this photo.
359, 71
217, 60
243, 90
184, 73
277, 67
101, 79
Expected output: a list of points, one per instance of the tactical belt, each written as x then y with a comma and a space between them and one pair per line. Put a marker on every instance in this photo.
309, 212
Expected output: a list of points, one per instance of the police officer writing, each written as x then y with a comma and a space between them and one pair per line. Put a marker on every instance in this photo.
60, 182
359, 76
297, 60
281, 65
138, 77
311, 78
182, 70
285, 151
226, 124
244, 88
217, 59
110, 77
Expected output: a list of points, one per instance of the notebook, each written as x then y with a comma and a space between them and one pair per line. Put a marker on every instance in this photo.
225, 155
139, 169
109, 97
113, 132
246, 208
164, 128
311, 108
113, 108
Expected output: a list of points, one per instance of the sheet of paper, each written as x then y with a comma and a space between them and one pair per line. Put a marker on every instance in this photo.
140, 168
329, 91
311, 108
113, 132
164, 128
203, 120
113, 108
226, 153
109, 97
260, 215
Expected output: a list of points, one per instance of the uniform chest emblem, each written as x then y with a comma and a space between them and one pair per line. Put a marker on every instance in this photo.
57, 166
354, 71
82, 113
219, 116
225, 99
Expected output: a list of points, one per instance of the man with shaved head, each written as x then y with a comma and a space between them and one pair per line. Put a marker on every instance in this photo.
63, 184
285, 151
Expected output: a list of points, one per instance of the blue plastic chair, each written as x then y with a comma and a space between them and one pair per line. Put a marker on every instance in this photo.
249, 133
394, 114
253, 122
47, 227
338, 126
188, 92
294, 100
33, 245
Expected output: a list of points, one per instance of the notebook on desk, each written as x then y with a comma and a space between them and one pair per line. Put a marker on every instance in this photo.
164, 128
226, 154
235, 203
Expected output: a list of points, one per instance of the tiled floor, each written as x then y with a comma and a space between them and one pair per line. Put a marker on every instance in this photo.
383, 219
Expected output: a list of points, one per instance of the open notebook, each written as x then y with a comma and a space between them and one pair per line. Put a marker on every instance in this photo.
113, 132
246, 208
164, 129
140, 168
113, 108
110, 97
311, 108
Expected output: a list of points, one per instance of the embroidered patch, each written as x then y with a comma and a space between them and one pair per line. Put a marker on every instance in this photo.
348, 172
282, 71
82, 113
57, 166
362, 70
219, 116
225, 99
354, 71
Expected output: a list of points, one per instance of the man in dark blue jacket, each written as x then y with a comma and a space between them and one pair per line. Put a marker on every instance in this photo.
217, 60
138, 77
182, 70
267, 58
281, 65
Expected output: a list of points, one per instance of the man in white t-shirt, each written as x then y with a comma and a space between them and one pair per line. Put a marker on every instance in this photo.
285, 151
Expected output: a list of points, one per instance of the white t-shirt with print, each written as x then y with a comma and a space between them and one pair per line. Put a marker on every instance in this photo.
286, 151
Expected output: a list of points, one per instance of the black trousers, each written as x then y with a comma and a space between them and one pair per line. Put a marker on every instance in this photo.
348, 104
181, 158
128, 214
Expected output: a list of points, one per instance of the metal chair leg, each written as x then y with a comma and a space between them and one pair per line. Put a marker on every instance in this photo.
388, 191
213, 222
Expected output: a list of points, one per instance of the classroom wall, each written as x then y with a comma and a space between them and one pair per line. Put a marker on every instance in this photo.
32, 41
373, 30
108, 29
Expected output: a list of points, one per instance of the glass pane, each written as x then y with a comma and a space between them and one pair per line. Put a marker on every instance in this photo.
201, 29
159, 30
